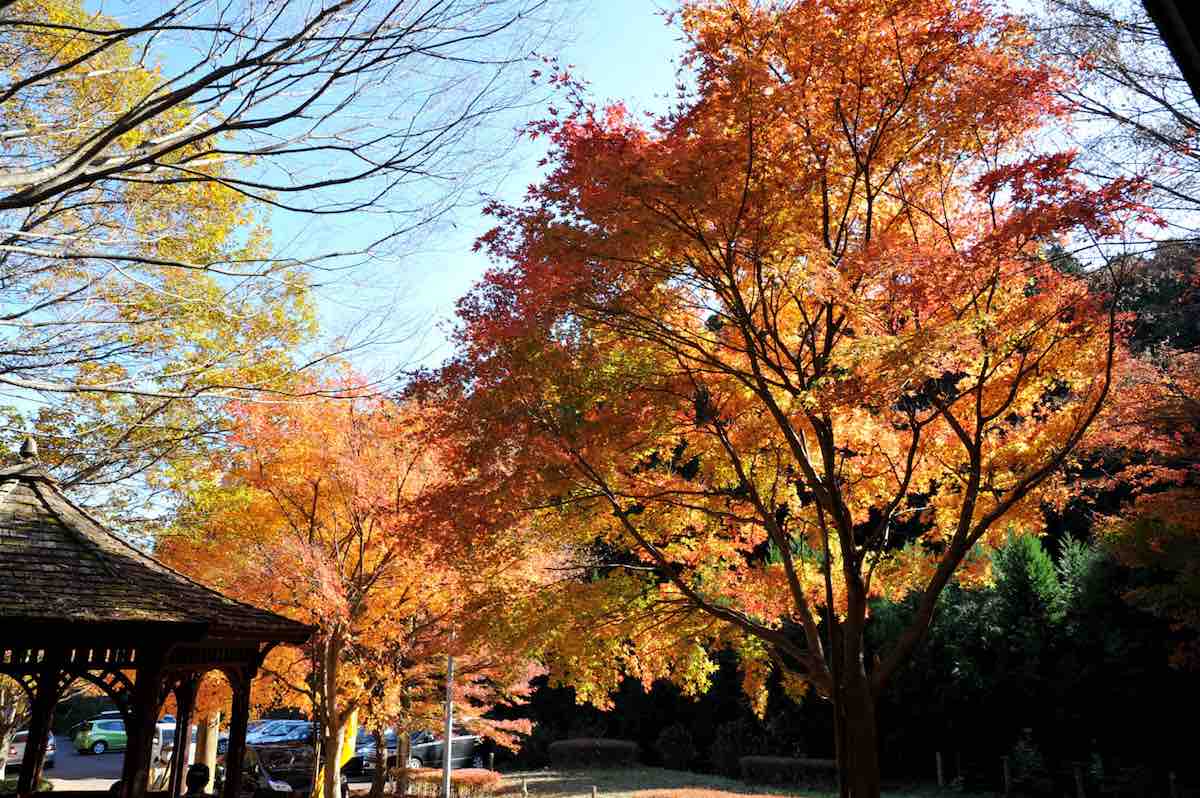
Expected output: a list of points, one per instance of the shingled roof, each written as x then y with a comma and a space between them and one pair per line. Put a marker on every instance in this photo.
58, 565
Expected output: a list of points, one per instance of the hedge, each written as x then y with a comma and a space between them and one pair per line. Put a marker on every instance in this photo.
465, 783
785, 770
593, 752
700, 792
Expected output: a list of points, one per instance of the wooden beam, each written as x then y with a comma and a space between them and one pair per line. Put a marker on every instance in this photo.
144, 706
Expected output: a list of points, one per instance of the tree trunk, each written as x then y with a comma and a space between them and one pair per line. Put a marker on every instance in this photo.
331, 726
380, 776
859, 756
403, 752
210, 735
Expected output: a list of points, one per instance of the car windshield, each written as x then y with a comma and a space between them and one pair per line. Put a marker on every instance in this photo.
274, 727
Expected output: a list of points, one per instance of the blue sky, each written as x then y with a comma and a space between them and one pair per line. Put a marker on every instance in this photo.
626, 51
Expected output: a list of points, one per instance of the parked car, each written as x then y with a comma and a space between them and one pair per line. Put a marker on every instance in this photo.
164, 741
281, 731
16, 750
108, 714
98, 736
271, 770
363, 761
426, 750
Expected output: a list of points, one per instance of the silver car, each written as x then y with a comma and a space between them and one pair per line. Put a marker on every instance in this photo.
427, 750
16, 750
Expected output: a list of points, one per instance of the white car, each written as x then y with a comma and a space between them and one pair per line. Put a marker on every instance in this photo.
16, 750
164, 741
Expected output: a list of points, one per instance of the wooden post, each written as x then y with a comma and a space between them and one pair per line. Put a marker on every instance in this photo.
139, 731
524, 788
1079, 781
235, 754
593, 791
185, 699
491, 760
1174, 786
941, 777
42, 711
1007, 776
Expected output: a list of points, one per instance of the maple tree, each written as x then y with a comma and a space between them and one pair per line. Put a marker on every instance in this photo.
318, 513
790, 347
1152, 431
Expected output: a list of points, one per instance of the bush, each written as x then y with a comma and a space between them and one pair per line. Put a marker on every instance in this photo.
593, 752
465, 783
698, 792
9, 786
1028, 768
734, 740
786, 769
675, 746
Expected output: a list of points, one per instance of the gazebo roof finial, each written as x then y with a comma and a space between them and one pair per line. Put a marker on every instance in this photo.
29, 449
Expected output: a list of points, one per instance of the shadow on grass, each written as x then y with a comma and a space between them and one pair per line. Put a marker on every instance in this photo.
644, 783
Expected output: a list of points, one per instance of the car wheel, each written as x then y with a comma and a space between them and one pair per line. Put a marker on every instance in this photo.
99, 747
414, 763
477, 761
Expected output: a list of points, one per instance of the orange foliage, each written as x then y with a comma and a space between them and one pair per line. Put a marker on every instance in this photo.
464, 783
319, 511
1152, 432
789, 347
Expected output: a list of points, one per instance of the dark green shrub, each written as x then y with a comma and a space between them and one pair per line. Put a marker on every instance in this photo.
786, 770
593, 752
676, 747
734, 740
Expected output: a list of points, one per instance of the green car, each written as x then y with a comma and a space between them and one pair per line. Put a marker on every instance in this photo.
99, 736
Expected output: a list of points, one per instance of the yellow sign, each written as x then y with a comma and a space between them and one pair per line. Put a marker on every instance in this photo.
345, 753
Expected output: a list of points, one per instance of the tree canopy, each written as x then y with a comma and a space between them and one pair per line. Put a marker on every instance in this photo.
796, 343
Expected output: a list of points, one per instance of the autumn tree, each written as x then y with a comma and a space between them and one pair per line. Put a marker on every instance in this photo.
317, 513
1152, 440
789, 347
144, 159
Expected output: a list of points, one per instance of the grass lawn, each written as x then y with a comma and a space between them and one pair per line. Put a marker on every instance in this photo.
626, 782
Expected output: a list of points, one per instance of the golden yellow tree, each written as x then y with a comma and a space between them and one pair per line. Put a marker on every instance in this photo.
319, 513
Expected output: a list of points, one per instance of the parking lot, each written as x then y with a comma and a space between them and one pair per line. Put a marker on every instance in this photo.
76, 771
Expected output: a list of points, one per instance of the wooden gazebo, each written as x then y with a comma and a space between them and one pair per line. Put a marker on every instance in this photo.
78, 602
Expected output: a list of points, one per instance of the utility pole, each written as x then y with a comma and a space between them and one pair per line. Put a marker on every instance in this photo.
448, 739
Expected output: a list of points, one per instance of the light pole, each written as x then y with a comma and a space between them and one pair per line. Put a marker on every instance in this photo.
448, 739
